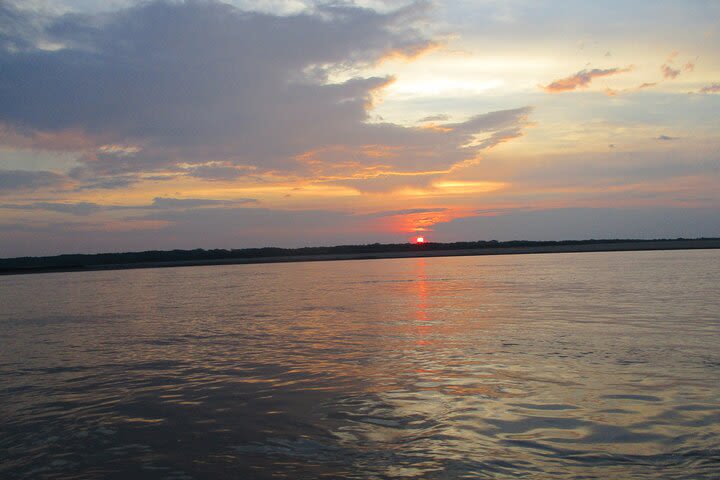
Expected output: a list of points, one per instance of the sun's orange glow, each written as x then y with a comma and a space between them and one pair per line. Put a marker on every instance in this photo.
419, 239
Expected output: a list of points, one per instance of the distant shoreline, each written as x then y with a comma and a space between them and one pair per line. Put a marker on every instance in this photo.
601, 246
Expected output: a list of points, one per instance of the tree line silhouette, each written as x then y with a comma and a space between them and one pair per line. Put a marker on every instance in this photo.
81, 261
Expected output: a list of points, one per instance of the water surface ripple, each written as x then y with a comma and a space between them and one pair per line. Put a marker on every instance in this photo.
593, 365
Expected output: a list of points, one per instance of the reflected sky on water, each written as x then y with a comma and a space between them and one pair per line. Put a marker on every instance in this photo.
596, 365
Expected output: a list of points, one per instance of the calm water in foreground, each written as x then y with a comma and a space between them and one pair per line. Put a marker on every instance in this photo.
593, 365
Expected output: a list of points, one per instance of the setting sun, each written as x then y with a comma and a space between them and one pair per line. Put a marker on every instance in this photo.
291, 156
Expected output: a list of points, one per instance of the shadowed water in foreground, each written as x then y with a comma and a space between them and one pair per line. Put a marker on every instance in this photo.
595, 365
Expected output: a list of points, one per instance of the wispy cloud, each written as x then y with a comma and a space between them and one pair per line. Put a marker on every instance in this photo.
669, 72
167, 202
408, 211
582, 79
435, 118
713, 88
158, 203
29, 180
107, 182
218, 171
79, 208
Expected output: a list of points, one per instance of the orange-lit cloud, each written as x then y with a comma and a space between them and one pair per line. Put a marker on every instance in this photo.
466, 186
421, 220
436, 128
292, 145
408, 54
668, 72
582, 79
422, 155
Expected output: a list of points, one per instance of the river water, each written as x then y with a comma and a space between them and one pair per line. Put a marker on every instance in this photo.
591, 365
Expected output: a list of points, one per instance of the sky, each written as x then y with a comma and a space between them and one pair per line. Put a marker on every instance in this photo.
131, 125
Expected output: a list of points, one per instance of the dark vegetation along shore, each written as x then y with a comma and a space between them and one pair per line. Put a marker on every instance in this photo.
179, 258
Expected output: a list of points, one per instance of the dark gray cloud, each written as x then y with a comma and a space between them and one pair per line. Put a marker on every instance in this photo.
187, 73
217, 90
29, 180
665, 138
16, 30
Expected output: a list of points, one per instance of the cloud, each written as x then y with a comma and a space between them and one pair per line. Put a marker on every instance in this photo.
158, 203
408, 211
412, 157
714, 88
582, 79
109, 183
493, 121
80, 208
435, 118
669, 72
584, 223
216, 227
240, 226
188, 74
254, 227
666, 138
166, 202
206, 90
585, 77
29, 180
17, 30
217, 172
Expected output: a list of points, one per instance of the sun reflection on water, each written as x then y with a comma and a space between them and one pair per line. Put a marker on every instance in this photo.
406, 368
